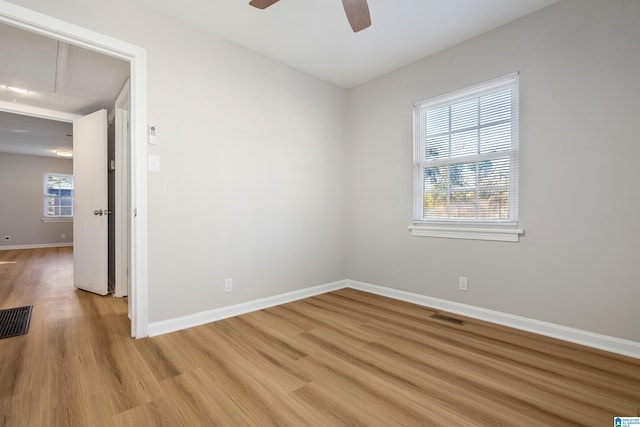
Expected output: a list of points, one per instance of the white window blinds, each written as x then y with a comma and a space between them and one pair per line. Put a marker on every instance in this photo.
466, 154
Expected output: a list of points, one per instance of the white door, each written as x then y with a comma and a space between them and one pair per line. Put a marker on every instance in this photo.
90, 217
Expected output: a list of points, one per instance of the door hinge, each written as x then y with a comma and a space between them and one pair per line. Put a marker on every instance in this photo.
135, 212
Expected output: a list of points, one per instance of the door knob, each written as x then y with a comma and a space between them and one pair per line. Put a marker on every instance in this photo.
98, 212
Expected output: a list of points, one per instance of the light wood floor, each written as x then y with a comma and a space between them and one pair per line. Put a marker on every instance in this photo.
343, 358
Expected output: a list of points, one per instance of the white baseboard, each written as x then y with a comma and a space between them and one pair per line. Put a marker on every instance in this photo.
36, 246
196, 319
590, 339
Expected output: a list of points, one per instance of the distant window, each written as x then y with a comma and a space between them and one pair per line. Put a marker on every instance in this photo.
466, 157
58, 195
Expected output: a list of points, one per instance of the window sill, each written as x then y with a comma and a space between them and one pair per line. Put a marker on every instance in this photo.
61, 219
494, 232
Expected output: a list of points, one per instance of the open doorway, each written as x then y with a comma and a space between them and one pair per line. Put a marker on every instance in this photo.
135, 190
64, 81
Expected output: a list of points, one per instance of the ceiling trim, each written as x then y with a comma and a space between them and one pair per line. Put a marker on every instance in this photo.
42, 113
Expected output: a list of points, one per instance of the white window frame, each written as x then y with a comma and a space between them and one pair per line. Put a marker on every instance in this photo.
476, 229
46, 217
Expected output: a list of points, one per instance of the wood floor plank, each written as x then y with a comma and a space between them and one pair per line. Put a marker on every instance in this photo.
280, 374
430, 383
485, 372
278, 345
159, 356
557, 356
345, 358
492, 355
391, 402
25, 409
157, 413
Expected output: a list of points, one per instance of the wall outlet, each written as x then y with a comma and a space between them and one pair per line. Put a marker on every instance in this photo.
7, 238
462, 283
63, 236
228, 285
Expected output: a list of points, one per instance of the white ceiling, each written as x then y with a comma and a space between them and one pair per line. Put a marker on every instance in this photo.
33, 136
61, 79
315, 37
309, 35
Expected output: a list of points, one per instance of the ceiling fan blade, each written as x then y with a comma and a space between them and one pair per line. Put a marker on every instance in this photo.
262, 4
357, 13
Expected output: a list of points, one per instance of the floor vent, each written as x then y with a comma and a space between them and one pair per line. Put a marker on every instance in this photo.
15, 321
448, 319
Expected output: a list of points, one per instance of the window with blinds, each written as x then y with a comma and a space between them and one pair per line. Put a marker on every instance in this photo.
466, 155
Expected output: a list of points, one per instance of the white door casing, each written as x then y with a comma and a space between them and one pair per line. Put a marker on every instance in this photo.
90, 215
122, 212
39, 23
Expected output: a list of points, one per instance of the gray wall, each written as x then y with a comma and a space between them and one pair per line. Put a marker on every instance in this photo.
579, 64
21, 209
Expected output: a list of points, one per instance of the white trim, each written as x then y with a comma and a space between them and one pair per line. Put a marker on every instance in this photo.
138, 182
30, 110
189, 321
498, 233
590, 339
469, 92
57, 219
38, 23
121, 211
36, 246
